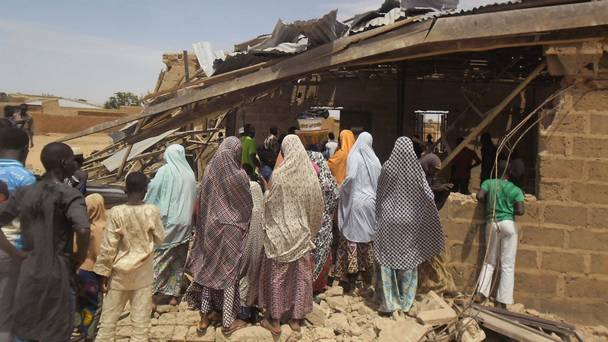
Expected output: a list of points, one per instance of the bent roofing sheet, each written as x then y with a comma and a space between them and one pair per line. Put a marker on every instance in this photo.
113, 162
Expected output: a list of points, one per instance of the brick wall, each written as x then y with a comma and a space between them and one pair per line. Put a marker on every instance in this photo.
562, 261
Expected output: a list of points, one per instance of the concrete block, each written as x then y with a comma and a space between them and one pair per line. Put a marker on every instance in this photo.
561, 168
590, 193
597, 171
533, 213
576, 310
599, 218
462, 232
590, 147
542, 237
584, 287
436, 317
465, 254
570, 123
563, 262
588, 240
466, 209
464, 276
599, 263
526, 259
541, 284
555, 145
593, 101
403, 331
566, 215
553, 191
599, 124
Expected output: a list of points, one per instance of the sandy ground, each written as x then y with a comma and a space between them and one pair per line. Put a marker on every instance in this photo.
86, 145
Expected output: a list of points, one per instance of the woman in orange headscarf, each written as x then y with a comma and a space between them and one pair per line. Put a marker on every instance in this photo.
337, 163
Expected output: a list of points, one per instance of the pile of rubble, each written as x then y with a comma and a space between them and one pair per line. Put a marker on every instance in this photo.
341, 317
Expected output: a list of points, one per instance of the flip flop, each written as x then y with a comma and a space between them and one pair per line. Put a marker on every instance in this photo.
266, 325
237, 325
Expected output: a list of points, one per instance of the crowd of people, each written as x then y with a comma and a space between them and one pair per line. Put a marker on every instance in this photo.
264, 231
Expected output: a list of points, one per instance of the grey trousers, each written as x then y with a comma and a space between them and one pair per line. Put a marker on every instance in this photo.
9, 273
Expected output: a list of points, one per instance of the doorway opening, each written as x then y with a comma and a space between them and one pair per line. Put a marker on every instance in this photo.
431, 128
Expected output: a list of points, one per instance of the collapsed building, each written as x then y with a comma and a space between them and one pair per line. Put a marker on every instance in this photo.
533, 73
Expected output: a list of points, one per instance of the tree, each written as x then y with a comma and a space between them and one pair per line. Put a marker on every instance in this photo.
122, 98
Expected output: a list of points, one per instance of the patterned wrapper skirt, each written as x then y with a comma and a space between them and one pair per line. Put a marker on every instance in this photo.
285, 289
206, 300
169, 265
395, 289
88, 302
353, 258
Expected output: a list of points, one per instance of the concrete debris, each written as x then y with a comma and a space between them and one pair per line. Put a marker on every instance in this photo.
356, 320
433, 310
317, 317
470, 331
404, 331
337, 304
334, 291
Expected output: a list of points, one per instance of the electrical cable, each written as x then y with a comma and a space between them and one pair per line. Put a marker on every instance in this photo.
495, 171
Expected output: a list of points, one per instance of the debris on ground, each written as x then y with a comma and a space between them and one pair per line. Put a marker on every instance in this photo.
344, 317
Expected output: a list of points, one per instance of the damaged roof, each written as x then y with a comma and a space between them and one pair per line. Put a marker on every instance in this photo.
461, 26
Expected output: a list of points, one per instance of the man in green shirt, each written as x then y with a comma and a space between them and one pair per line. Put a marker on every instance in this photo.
248, 144
503, 200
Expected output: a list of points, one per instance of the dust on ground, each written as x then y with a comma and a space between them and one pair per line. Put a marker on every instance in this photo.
86, 145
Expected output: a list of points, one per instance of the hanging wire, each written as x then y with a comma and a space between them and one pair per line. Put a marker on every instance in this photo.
503, 144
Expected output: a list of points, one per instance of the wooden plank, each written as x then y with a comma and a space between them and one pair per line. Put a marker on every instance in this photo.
492, 114
213, 108
511, 329
121, 169
186, 69
475, 31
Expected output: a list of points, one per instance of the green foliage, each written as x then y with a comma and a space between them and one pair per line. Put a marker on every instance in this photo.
122, 98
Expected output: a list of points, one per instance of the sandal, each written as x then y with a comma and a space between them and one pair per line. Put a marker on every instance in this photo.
236, 325
266, 325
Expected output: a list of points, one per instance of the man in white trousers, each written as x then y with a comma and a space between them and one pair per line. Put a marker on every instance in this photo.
503, 201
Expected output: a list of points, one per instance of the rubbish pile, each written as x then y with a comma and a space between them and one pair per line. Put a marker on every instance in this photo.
342, 317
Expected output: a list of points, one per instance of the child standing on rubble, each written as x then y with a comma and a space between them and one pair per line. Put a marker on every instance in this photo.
503, 200
124, 263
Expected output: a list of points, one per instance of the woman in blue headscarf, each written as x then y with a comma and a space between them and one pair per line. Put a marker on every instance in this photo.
356, 212
173, 191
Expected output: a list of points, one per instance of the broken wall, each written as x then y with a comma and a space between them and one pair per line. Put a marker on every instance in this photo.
562, 260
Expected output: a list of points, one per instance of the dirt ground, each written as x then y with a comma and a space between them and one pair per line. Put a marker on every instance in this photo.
86, 145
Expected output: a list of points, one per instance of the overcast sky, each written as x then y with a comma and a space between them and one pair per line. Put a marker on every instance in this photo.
91, 49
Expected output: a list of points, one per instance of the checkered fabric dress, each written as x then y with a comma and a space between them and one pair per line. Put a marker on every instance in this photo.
226, 206
408, 227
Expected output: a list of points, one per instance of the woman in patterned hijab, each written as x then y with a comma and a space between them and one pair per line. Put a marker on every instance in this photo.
225, 214
408, 228
293, 216
323, 241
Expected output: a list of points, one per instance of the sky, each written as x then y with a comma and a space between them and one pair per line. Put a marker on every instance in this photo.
89, 49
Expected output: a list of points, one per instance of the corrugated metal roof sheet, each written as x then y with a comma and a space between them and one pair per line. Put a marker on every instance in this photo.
113, 162
465, 6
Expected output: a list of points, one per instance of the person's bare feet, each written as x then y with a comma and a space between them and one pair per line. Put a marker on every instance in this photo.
272, 326
236, 325
294, 324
